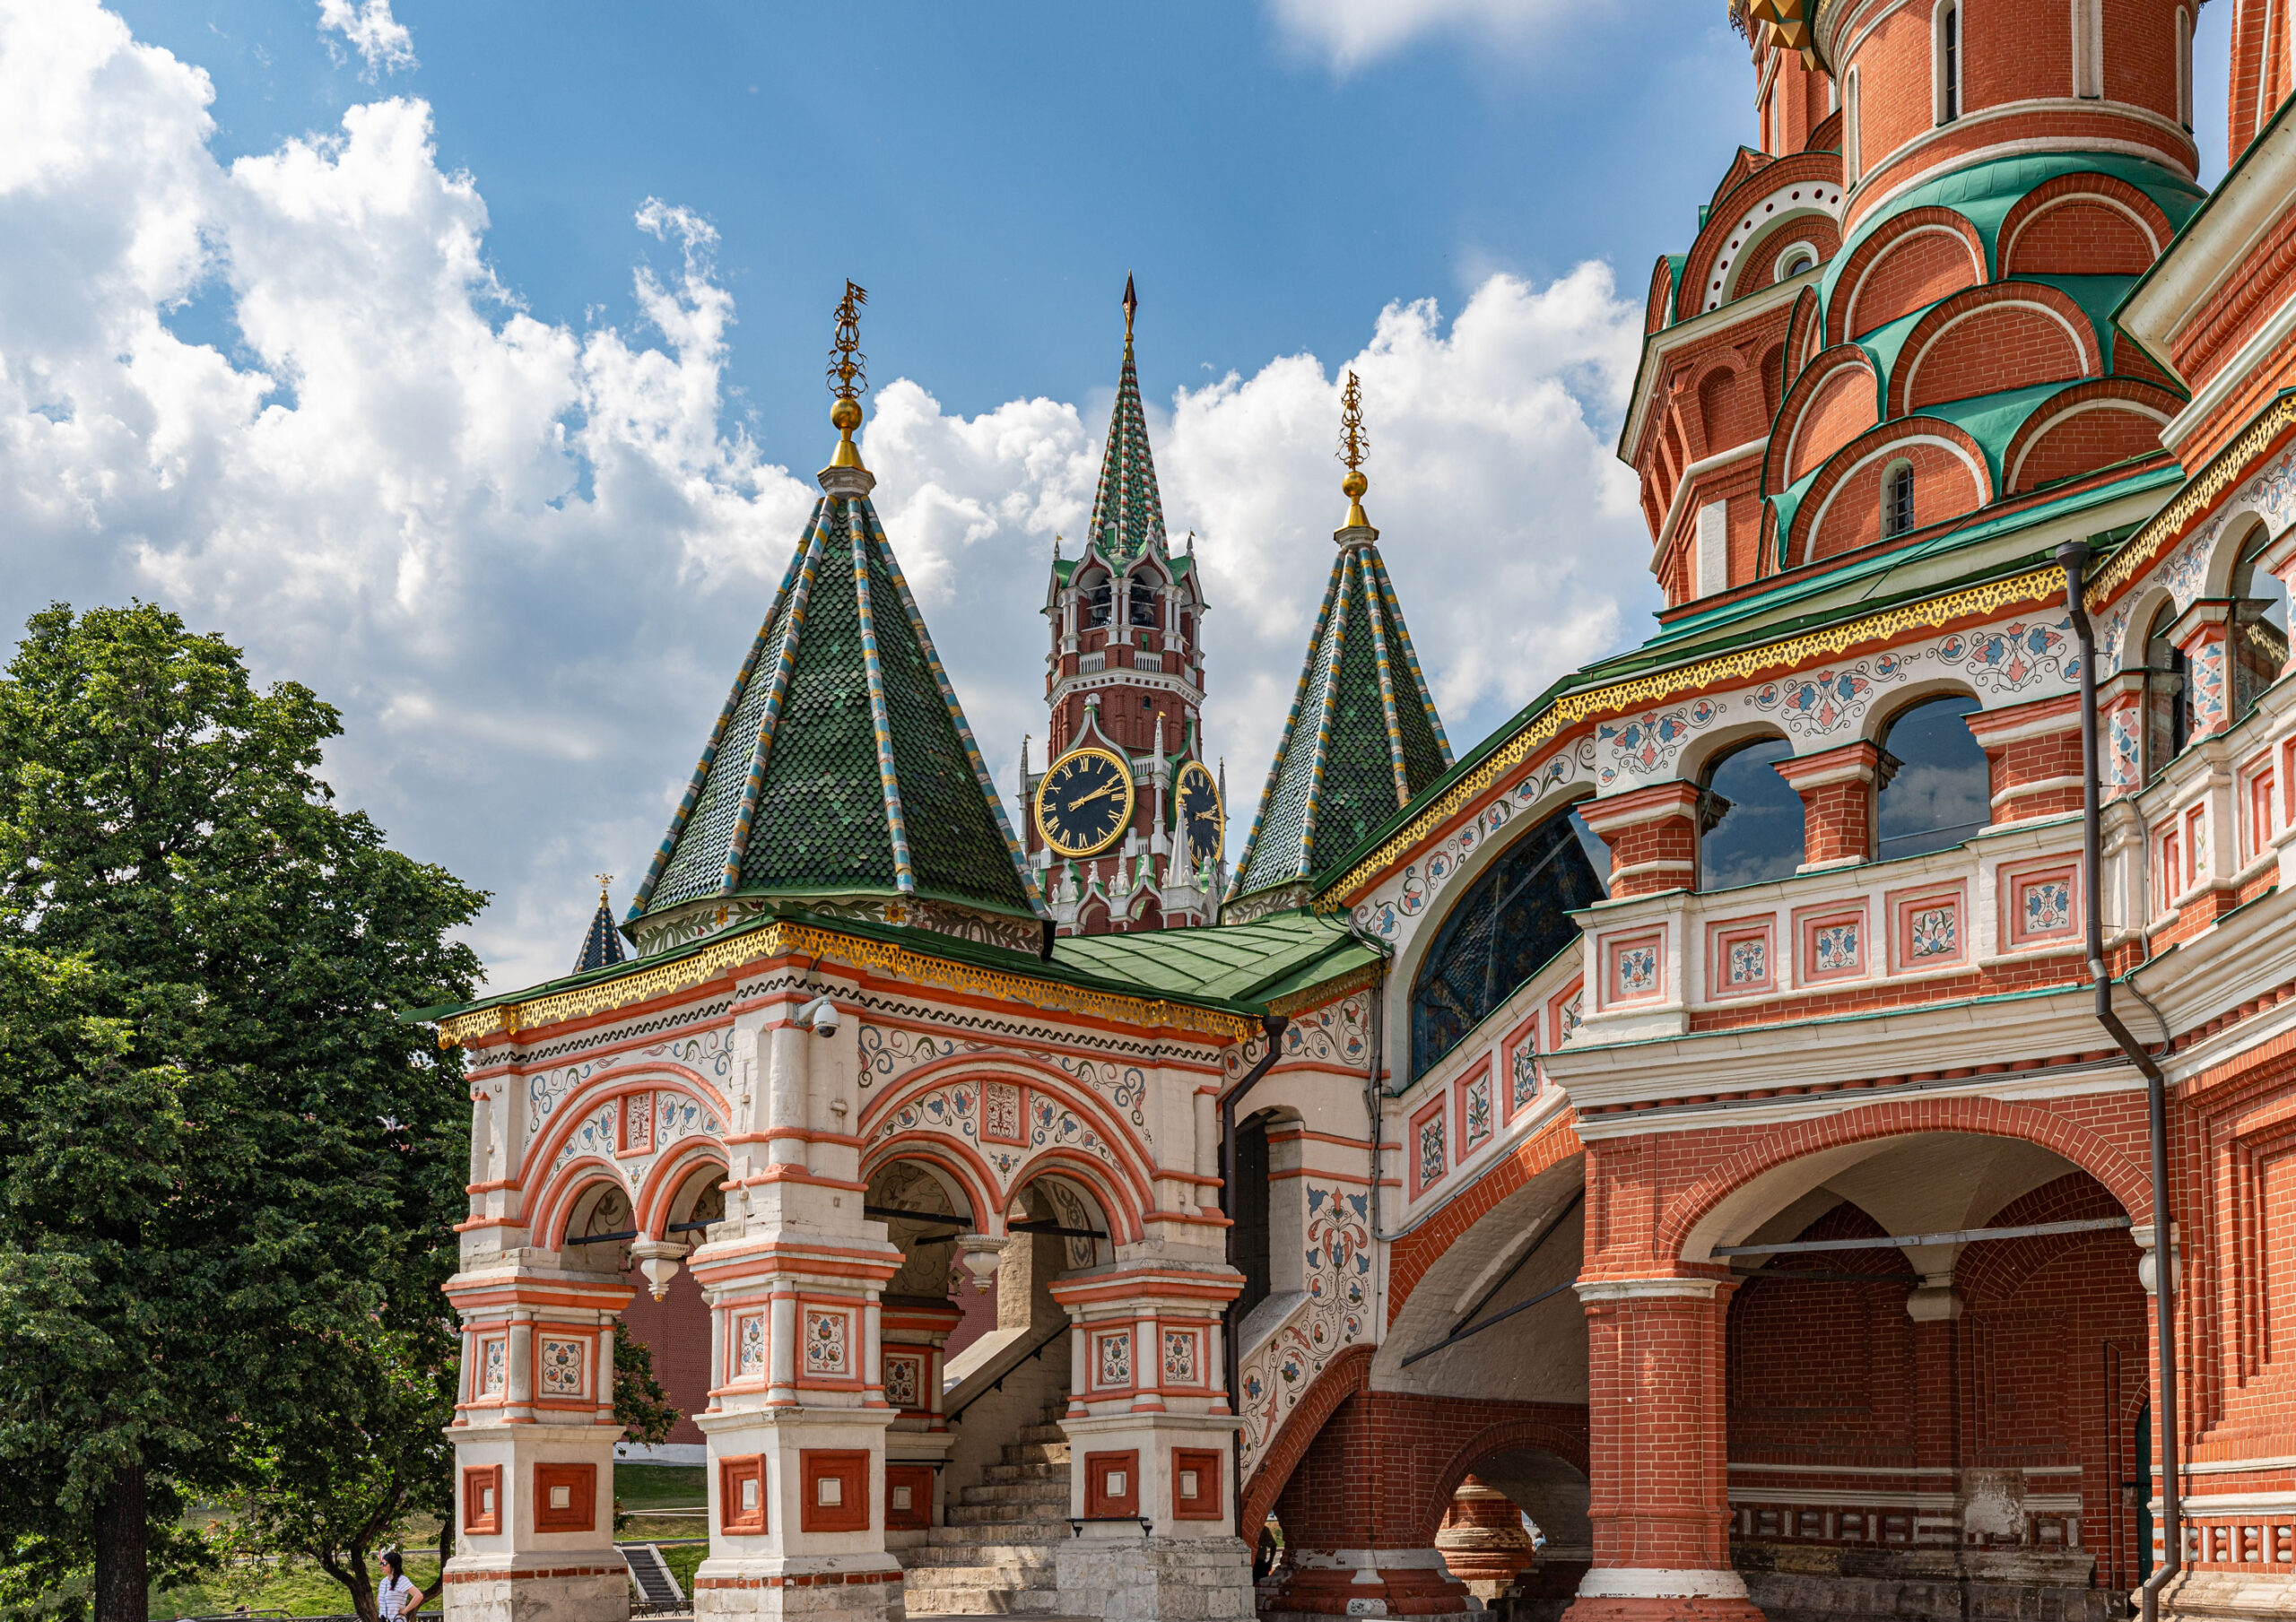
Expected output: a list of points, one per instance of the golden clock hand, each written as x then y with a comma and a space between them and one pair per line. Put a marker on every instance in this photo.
1095, 795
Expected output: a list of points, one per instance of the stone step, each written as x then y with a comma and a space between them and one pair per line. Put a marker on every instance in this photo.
1036, 1452
1001, 1566
1026, 1470
1005, 1516
1018, 1533
1029, 1489
1049, 1431
925, 1604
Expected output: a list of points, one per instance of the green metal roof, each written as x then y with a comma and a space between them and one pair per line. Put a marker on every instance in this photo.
1127, 513
842, 761
1363, 737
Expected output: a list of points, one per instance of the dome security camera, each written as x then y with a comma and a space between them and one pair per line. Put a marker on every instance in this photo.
821, 1014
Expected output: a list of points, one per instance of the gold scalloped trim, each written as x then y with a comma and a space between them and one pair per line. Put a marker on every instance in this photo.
1574, 707
784, 940
2226, 469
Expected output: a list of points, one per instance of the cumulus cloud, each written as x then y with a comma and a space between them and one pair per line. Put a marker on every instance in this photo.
369, 29
1350, 33
526, 557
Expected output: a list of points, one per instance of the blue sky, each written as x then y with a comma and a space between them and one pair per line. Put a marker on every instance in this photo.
464, 360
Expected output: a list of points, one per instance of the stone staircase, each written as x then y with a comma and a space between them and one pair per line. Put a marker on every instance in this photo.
996, 1556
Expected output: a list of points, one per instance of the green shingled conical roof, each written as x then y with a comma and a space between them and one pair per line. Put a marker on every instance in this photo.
1128, 514
1362, 740
841, 774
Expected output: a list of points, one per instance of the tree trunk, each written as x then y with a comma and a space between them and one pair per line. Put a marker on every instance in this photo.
123, 1549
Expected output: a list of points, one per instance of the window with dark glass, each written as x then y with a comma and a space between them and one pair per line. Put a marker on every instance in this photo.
1247, 1209
1938, 792
1508, 925
2166, 719
1751, 822
1950, 53
1897, 501
2258, 629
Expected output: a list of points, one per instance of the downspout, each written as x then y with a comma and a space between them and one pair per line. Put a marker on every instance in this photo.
1232, 1355
2074, 556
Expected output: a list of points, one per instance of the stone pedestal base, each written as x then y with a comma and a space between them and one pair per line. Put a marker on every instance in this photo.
824, 1588
1141, 1579
1802, 1583
579, 1588
2221, 1596
1638, 1594
1372, 1582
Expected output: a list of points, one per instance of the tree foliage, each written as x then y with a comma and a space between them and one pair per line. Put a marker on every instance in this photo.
227, 1166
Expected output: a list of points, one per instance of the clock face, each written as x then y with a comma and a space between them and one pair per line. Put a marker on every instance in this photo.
1085, 803
1202, 819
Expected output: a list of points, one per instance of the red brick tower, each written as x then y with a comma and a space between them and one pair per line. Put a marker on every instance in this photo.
1125, 825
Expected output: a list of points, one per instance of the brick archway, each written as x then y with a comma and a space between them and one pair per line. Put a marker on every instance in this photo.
2107, 1150
1344, 1376
1548, 1430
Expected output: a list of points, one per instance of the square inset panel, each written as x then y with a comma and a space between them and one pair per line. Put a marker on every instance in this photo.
566, 1497
1564, 1011
1001, 1118
1741, 959
1112, 1483
1112, 1359
1520, 1052
741, 1496
1928, 929
827, 1334
493, 1379
1478, 1112
909, 1496
638, 1123
748, 1350
834, 1483
482, 1499
2040, 904
1429, 1153
1635, 968
1182, 1356
1195, 1484
562, 1365
904, 1379
1832, 944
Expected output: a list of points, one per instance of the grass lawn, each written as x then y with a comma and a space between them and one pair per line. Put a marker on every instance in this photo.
299, 1590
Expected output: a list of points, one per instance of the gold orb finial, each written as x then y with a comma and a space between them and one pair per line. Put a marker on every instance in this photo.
1354, 445
848, 375
604, 880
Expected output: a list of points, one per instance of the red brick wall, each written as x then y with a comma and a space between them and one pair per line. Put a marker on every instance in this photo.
1997, 347
1842, 409
1943, 488
2091, 439
676, 1330
1911, 274
2080, 238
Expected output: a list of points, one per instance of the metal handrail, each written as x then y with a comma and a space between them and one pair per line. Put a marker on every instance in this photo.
998, 1383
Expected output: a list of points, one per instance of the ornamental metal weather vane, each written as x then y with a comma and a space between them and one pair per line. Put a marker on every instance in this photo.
848, 375
1354, 445
1131, 303
605, 879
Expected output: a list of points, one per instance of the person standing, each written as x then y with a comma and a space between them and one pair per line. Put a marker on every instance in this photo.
396, 1598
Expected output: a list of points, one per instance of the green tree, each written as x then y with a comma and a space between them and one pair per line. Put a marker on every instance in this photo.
224, 1160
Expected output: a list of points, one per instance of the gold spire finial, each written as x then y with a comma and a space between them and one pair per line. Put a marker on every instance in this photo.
1131, 303
848, 375
1354, 444
604, 880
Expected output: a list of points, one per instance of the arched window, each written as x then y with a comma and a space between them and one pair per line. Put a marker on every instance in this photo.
1098, 598
1246, 1206
2167, 717
1897, 501
1939, 792
1795, 260
1144, 603
2259, 628
1945, 34
2089, 48
2184, 68
1502, 932
1753, 821
1849, 154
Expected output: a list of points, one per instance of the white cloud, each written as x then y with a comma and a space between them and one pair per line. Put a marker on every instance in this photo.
371, 30
526, 557
1350, 33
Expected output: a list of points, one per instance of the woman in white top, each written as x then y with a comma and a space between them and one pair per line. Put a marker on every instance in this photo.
396, 1598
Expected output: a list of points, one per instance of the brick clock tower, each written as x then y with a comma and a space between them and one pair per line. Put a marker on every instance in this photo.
1125, 823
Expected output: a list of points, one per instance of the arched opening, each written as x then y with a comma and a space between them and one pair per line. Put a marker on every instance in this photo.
1247, 1209
1098, 598
666, 1313
1998, 1367
2168, 706
1947, 70
2259, 626
1938, 792
1751, 822
1897, 501
1142, 593
1518, 1530
1508, 925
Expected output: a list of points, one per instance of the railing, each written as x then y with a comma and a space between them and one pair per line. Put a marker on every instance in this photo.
998, 1383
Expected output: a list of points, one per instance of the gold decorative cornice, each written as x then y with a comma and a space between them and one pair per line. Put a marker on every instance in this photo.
2166, 527
1623, 696
1327, 992
780, 939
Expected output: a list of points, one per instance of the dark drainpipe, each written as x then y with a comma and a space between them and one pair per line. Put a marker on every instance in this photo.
1231, 1355
2074, 556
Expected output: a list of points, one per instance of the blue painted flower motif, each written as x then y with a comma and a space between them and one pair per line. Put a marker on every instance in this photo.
1836, 949
1933, 931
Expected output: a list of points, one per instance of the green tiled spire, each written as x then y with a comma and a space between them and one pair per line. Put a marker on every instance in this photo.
1362, 738
1128, 514
841, 771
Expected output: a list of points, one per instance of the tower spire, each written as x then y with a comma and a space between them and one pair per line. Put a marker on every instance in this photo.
848, 377
1354, 444
1127, 513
